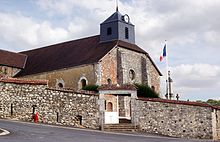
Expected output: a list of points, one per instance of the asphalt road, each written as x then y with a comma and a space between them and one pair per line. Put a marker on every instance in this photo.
30, 132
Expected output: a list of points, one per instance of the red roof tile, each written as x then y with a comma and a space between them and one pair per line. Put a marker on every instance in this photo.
23, 81
12, 59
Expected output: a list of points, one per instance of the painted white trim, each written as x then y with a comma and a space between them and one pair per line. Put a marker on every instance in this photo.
5, 132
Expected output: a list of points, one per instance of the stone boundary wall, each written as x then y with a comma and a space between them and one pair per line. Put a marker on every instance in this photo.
19, 98
178, 118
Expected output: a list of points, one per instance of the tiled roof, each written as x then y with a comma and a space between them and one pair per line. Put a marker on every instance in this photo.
12, 59
178, 102
117, 16
70, 54
23, 81
117, 87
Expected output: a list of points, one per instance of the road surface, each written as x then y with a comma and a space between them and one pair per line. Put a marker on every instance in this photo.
30, 132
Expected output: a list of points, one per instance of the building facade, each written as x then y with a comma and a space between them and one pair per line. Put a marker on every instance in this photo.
109, 58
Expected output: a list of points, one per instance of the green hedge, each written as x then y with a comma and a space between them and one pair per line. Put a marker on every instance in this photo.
91, 88
143, 90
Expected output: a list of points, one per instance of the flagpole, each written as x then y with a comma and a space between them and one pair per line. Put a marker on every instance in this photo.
167, 70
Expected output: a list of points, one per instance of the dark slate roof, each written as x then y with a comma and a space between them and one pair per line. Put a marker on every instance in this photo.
12, 59
117, 16
70, 54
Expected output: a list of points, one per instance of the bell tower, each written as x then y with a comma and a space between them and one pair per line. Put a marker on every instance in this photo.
117, 27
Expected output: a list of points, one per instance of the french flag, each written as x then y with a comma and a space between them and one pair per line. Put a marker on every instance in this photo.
164, 53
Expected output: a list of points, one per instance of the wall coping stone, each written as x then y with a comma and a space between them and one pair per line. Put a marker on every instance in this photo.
24, 81
68, 90
178, 102
117, 87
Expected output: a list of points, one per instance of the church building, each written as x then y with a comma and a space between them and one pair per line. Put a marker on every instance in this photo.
109, 58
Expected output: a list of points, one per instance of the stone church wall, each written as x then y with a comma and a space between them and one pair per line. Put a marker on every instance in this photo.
54, 106
108, 68
177, 120
70, 78
143, 67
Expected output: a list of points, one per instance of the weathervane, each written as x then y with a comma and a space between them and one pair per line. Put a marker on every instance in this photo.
116, 5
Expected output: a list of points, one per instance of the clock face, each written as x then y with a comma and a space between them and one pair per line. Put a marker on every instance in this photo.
126, 18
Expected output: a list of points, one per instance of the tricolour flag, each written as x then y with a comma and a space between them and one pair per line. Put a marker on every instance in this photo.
164, 53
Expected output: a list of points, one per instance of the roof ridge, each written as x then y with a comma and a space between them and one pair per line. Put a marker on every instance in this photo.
13, 52
42, 47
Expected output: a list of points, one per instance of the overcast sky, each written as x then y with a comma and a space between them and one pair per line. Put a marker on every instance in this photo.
191, 28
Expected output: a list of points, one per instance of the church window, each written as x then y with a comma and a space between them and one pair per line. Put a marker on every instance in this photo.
109, 31
132, 74
126, 33
83, 83
110, 107
5, 70
153, 88
60, 85
109, 81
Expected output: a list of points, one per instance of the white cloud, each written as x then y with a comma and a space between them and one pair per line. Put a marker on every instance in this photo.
191, 27
196, 76
23, 33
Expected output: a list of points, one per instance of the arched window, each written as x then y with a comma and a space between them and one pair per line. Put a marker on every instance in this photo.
153, 88
109, 31
83, 83
5, 70
109, 81
60, 85
109, 107
126, 33
131, 74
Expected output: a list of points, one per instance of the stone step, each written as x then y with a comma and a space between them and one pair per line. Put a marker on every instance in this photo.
120, 127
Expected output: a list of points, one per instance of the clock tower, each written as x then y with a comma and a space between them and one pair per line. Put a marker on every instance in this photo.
117, 27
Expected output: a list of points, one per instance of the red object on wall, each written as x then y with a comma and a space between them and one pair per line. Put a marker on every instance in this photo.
36, 117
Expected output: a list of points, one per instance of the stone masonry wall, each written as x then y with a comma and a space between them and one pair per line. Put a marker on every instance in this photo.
176, 120
53, 106
217, 115
145, 71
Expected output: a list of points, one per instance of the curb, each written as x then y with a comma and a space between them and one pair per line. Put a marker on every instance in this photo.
5, 132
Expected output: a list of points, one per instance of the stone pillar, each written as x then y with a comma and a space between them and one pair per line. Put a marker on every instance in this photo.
101, 111
133, 107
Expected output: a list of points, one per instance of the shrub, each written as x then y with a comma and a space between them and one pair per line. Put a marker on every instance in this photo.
91, 88
143, 90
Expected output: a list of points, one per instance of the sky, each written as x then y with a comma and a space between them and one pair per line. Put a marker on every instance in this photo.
191, 28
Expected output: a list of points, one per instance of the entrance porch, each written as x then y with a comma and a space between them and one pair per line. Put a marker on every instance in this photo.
117, 103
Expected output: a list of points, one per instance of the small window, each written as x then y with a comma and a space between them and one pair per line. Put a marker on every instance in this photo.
109, 107
153, 88
83, 83
126, 33
109, 31
132, 74
109, 81
5, 70
60, 85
